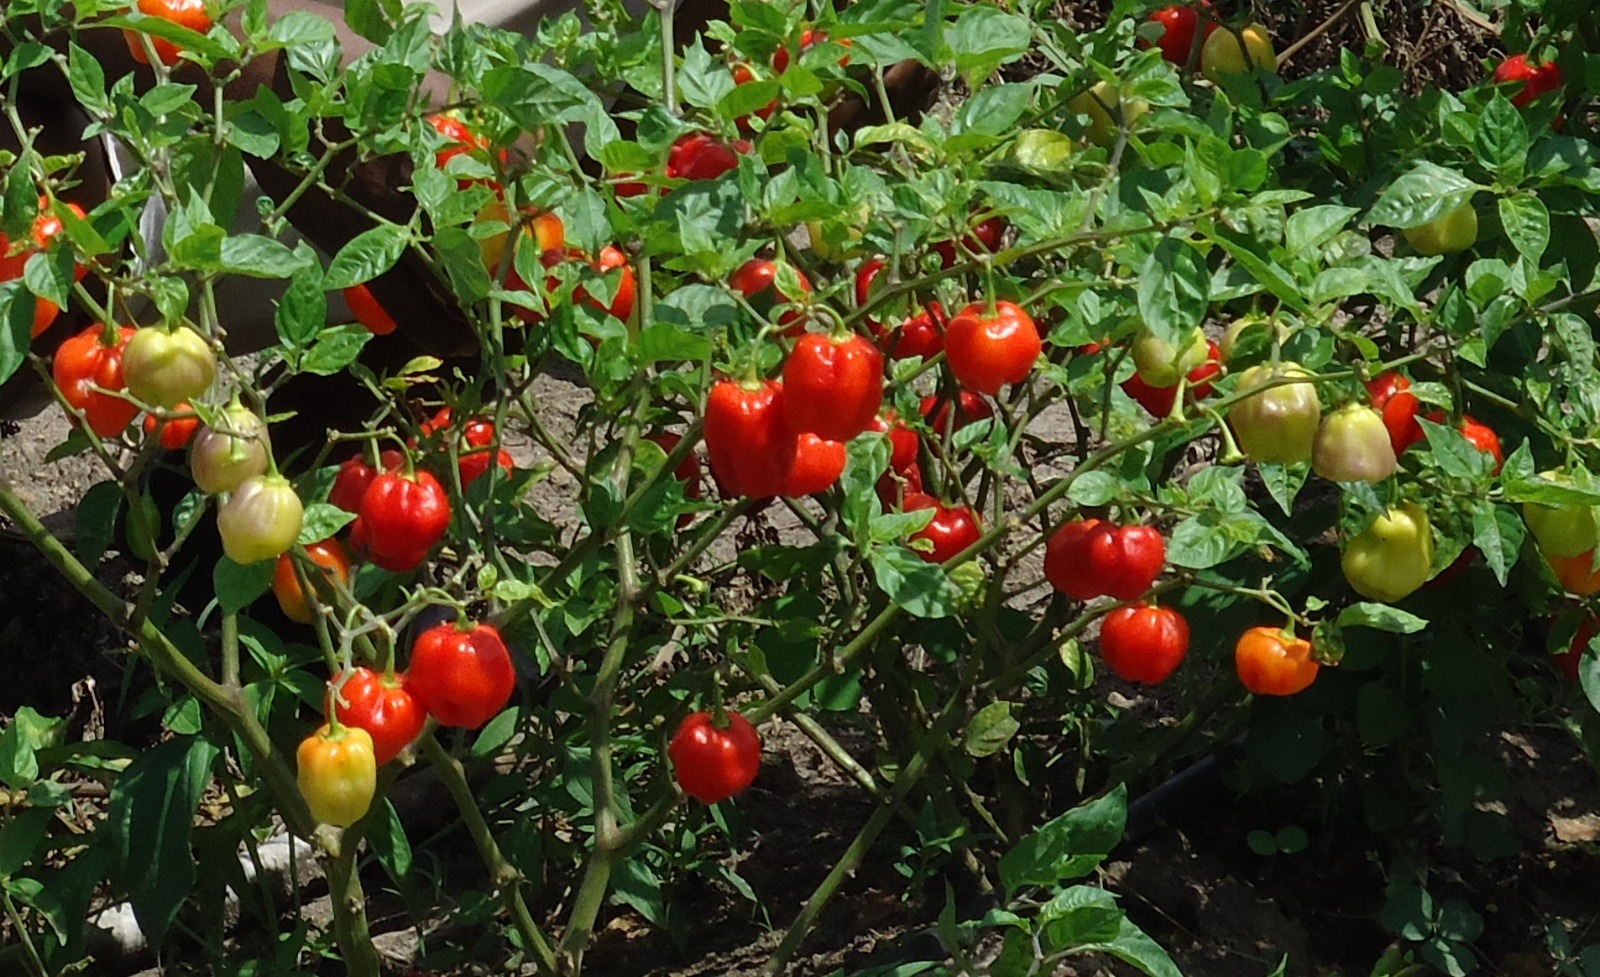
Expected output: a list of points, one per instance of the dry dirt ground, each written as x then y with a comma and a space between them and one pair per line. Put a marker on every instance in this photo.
1221, 909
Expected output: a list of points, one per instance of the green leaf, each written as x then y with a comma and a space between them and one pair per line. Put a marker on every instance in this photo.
1458, 921
49, 275
638, 886
1427, 192
1285, 741
1284, 482
1174, 290
20, 839
1502, 139
336, 348
1381, 715
496, 734
1079, 916
982, 39
1527, 224
1134, 947
296, 28
1497, 532
184, 716
1380, 617
919, 588
150, 817
1312, 227
1262, 268
1293, 839
28, 54
1094, 488
1589, 677
87, 78
1454, 454
24, 736
1197, 544
96, 520
990, 729
183, 38
367, 255
463, 263
1408, 912
302, 311
16, 327
255, 256
239, 586
387, 836
1069, 846
372, 19
322, 521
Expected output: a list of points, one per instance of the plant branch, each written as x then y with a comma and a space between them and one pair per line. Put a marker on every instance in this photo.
506, 877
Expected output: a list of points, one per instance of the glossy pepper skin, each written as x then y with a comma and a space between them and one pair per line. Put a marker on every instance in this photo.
1561, 530
174, 433
752, 450
1352, 445
401, 519
1576, 573
1089, 558
987, 350
350, 483
1277, 424
382, 707
329, 554
1181, 23
1537, 79
1144, 644
1382, 388
463, 677
818, 463
1272, 662
970, 409
85, 362
713, 763
338, 774
953, 529
185, 13
236, 449
1162, 364
832, 386
757, 279
1400, 415
1159, 401
702, 156
368, 312
983, 238
260, 520
167, 368
1391, 558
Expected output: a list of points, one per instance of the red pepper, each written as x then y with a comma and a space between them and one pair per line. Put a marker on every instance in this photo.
463, 677
751, 447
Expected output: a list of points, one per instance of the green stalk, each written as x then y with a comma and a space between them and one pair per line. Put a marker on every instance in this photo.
229, 705
349, 904
607, 835
29, 951
847, 864
505, 875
